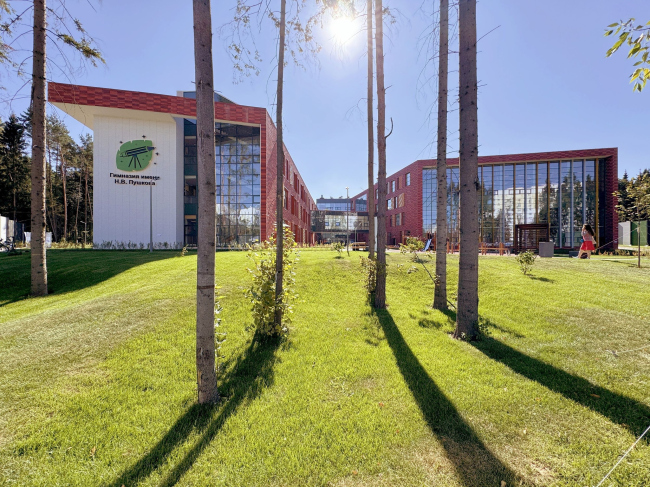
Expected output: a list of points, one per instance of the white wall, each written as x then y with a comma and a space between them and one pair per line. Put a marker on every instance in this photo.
121, 211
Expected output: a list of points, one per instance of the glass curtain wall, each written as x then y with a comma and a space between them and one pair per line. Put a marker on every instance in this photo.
560, 194
453, 204
487, 205
429, 201
520, 194
530, 193
238, 190
499, 232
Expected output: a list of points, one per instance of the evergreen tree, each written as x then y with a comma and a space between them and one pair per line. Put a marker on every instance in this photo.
14, 172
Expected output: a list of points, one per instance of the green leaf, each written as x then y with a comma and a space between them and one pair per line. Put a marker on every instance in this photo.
615, 24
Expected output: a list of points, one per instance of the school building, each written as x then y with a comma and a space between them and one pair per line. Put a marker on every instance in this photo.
556, 192
145, 169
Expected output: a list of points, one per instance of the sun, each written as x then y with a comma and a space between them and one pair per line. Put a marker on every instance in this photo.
343, 29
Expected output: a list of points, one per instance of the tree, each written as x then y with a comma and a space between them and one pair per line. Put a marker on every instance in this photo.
279, 247
371, 139
38, 253
205, 270
440, 296
637, 37
638, 191
14, 170
380, 291
627, 189
245, 61
467, 310
60, 34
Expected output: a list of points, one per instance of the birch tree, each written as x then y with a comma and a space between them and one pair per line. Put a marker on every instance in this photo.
205, 268
467, 309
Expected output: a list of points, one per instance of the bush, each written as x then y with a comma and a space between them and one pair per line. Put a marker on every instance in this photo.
413, 246
338, 246
262, 291
369, 267
526, 260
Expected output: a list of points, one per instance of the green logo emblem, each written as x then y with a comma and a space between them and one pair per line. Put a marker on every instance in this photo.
134, 155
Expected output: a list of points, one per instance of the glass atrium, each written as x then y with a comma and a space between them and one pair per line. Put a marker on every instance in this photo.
563, 194
237, 153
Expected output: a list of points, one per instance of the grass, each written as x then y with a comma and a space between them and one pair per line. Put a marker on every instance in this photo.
97, 380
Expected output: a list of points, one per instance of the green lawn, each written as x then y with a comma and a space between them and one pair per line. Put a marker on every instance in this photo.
97, 380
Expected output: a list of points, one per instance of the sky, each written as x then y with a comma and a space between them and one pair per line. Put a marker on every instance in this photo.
544, 81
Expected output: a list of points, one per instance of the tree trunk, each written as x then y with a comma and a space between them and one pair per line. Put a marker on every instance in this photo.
467, 312
76, 215
279, 254
86, 201
380, 292
205, 279
65, 199
440, 296
38, 252
371, 140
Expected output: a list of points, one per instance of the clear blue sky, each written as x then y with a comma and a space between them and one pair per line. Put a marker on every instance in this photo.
545, 82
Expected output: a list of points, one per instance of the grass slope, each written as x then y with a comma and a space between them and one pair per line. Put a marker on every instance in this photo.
97, 380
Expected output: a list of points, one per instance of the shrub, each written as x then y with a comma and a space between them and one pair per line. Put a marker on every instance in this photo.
369, 267
413, 246
338, 246
262, 290
526, 260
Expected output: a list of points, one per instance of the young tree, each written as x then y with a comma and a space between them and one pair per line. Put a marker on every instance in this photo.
467, 309
279, 247
245, 61
371, 139
380, 291
205, 270
637, 37
440, 296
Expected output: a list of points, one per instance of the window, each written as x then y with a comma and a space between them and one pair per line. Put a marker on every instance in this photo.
390, 203
286, 199
400, 201
392, 184
397, 184
376, 194
398, 219
408, 178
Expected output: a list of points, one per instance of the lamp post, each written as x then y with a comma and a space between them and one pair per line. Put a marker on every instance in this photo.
347, 220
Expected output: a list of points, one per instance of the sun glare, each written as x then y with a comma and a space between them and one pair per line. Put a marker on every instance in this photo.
343, 29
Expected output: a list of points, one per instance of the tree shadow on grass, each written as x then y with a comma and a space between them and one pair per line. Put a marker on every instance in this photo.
251, 374
474, 463
627, 412
542, 279
71, 270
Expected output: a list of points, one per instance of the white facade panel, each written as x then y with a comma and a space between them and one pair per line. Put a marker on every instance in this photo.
121, 205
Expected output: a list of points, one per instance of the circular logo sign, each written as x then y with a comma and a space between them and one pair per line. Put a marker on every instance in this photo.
134, 155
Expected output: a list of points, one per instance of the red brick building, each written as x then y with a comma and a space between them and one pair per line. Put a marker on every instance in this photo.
563, 190
246, 151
